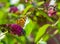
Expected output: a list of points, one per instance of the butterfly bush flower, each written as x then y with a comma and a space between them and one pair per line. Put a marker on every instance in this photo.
16, 29
51, 8
51, 11
13, 9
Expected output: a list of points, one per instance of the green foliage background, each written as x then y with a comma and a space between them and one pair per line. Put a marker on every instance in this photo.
37, 26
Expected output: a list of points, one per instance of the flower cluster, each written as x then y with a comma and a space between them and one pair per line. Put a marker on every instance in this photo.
51, 11
14, 29
13, 9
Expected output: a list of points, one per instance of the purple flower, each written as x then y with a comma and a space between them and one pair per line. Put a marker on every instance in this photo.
13, 9
16, 29
51, 11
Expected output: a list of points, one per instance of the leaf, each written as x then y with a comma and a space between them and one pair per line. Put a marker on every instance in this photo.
40, 3
10, 39
38, 13
7, 5
23, 39
46, 37
5, 1
58, 13
41, 31
58, 25
26, 9
29, 27
17, 38
1, 42
58, 5
42, 42
3, 18
45, 15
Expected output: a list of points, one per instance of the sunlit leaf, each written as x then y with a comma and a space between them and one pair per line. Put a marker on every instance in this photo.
29, 27
46, 37
3, 18
45, 15
41, 31
58, 5
37, 13
3, 0
23, 39
42, 42
18, 40
10, 39
1, 42
26, 9
58, 25
58, 13
40, 3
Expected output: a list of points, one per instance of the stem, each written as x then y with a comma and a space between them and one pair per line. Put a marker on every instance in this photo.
55, 39
27, 41
56, 23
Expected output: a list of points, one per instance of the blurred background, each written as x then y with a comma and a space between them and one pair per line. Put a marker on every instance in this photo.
29, 22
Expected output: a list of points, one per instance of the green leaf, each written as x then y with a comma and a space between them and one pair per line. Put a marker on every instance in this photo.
7, 5
1, 42
46, 37
3, 18
40, 3
29, 27
4, 1
38, 13
23, 39
41, 31
58, 13
45, 15
58, 5
10, 39
58, 25
26, 9
18, 39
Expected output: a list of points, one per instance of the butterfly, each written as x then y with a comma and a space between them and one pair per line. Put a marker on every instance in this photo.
21, 21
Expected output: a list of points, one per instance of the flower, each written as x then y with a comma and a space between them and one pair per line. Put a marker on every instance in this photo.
16, 29
13, 9
51, 11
